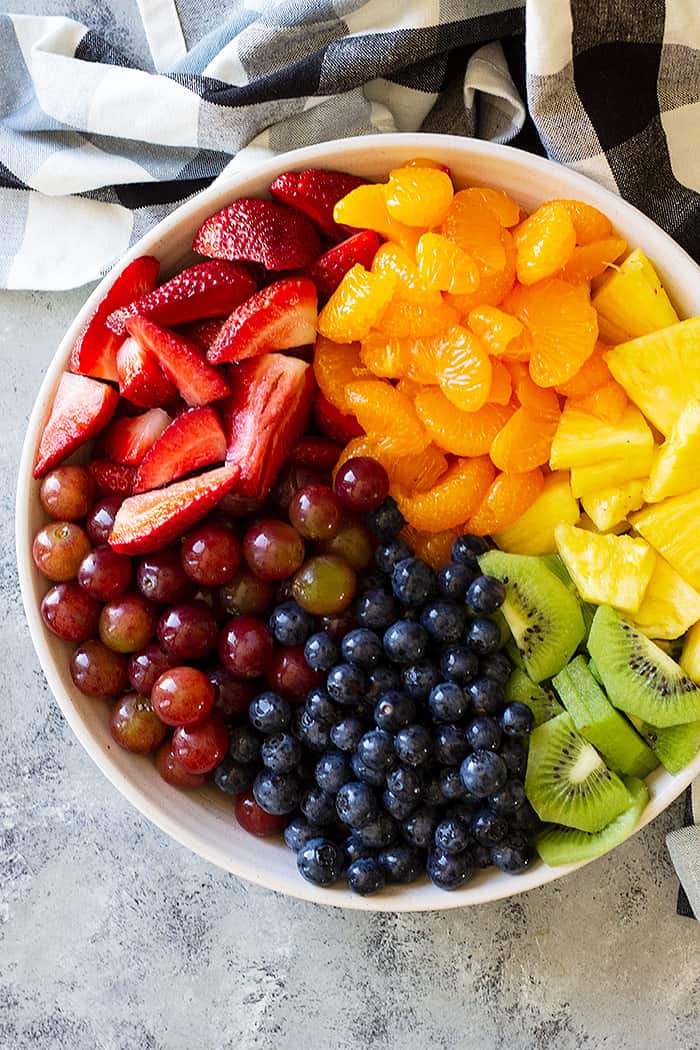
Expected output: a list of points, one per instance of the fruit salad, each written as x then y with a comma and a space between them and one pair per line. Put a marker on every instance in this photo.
380, 519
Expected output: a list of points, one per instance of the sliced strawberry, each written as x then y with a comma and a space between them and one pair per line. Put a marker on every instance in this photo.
112, 479
278, 317
194, 439
141, 379
330, 268
181, 360
128, 439
332, 422
315, 192
81, 408
204, 332
153, 519
259, 231
315, 452
266, 413
208, 289
94, 352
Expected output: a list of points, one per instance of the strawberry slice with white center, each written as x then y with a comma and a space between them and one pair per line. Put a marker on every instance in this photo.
94, 352
278, 317
141, 379
315, 192
208, 289
330, 268
149, 521
112, 479
128, 439
193, 440
182, 360
81, 408
259, 231
204, 332
267, 412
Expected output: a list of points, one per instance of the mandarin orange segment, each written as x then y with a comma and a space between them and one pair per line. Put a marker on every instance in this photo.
336, 365
410, 388
392, 258
386, 357
592, 374
589, 223
501, 389
501, 333
462, 433
418, 196
538, 400
416, 320
543, 243
433, 547
563, 326
494, 285
425, 162
444, 266
455, 497
503, 206
356, 305
419, 472
523, 443
608, 402
590, 260
386, 415
364, 208
463, 369
472, 225
507, 498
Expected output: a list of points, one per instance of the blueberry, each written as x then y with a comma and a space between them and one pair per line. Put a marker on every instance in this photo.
365, 876
405, 641
453, 581
320, 861
346, 734
458, 664
321, 652
509, 797
298, 832
412, 581
517, 719
405, 784
390, 553
489, 828
314, 735
243, 745
450, 744
419, 678
448, 702
452, 835
513, 754
353, 848
374, 777
318, 806
448, 871
464, 809
393, 711
320, 707
444, 621
356, 804
398, 808
380, 832
514, 855
484, 732
524, 818
233, 777
376, 749
376, 609
483, 636
332, 771
419, 828
386, 521
362, 648
370, 581
481, 855
467, 548
451, 786
269, 712
496, 666
486, 696
381, 680
400, 864
486, 594
432, 791
290, 625
280, 752
277, 793
413, 745
346, 684
482, 773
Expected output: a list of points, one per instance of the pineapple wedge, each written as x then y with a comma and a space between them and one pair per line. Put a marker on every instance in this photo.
533, 532
582, 439
671, 528
670, 605
690, 657
610, 473
631, 301
660, 372
609, 507
676, 466
607, 570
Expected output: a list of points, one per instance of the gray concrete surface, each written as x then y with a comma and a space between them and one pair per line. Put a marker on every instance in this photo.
112, 937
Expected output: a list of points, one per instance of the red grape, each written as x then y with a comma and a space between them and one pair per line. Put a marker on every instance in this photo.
253, 817
135, 726
211, 554
147, 665
128, 623
245, 646
273, 549
235, 506
161, 577
70, 613
352, 542
338, 626
97, 670
101, 518
182, 696
232, 695
188, 630
104, 574
292, 478
362, 483
315, 512
67, 493
289, 674
246, 594
325, 585
201, 747
173, 772
58, 550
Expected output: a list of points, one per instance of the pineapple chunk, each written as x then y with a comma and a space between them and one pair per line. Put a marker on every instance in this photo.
690, 657
584, 522
676, 464
661, 371
582, 439
671, 528
533, 532
670, 605
610, 473
632, 301
609, 507
607, 570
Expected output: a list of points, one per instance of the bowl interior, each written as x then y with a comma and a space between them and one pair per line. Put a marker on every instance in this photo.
203, 820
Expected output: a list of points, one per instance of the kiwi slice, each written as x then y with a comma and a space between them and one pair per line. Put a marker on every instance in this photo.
639, 677
567, 781
593, 668
596, 719
543, 615
556, 565
675, 746
557, 845
539, 698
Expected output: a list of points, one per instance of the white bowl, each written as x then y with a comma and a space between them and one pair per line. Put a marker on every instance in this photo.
204, 820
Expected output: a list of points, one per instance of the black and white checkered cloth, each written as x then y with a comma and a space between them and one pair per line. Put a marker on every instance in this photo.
96, 146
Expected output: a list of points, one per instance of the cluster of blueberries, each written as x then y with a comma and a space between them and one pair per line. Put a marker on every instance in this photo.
409, 759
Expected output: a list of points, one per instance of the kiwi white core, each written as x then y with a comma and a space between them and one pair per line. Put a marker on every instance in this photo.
587, 761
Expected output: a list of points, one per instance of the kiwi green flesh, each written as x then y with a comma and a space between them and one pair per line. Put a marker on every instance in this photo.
598, 721
543, 615
539, 698
556, 565
558, 845
639, 677
675, 746
567, 781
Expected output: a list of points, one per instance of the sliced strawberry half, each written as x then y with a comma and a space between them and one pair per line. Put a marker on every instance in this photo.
315, 452
330, 268
153, 519
81, 408
141, 379
315, 192
94, 352
278, 317
333, 423
194, 439
128, 439
208, 289
112, 479
204, 332
266, 413
259, 231
182, 361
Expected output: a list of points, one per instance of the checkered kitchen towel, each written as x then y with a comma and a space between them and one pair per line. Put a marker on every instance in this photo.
100, 139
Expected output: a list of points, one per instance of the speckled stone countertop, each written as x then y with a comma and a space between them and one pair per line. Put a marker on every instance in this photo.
112, 937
